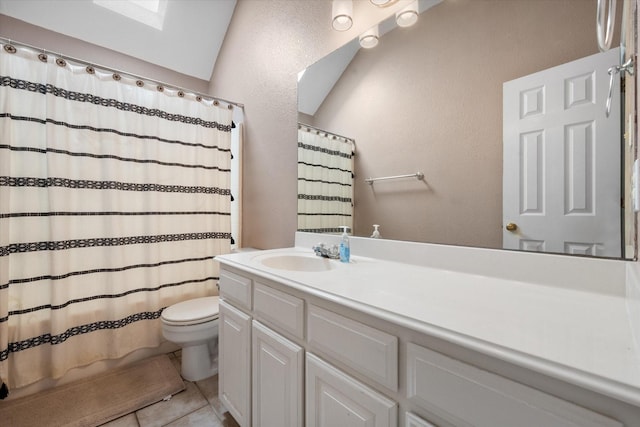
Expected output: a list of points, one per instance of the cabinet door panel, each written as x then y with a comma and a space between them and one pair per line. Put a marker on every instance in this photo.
335, 399
236, 289
277, 379
468, 396
279, 309
234, 359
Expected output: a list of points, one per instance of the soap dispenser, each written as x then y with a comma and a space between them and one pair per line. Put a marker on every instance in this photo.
345, 252
376, 233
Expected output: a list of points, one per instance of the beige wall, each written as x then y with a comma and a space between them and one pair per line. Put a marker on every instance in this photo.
266, 46
429, 98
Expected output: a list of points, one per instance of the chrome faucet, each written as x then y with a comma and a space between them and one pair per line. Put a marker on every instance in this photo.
332, 252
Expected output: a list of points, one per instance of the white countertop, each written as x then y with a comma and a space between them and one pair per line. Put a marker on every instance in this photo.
580, 337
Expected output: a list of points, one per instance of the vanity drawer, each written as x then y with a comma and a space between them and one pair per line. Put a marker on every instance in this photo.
366, 350
235, 288
279, 309
466, 395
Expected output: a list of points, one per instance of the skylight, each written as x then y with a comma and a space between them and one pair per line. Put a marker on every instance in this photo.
148, 12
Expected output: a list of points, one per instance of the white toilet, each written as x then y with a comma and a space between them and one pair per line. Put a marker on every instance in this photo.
193, 325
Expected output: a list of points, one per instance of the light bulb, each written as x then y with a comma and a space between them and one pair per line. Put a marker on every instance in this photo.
369, 38
341, 13
407, 16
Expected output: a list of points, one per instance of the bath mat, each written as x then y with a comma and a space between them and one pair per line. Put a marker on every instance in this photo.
98, 399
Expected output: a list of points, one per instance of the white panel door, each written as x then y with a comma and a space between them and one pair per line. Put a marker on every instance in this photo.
561, 174
335, 399
277, 379
234, 358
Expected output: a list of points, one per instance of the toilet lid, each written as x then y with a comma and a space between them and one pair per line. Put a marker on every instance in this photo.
198, 310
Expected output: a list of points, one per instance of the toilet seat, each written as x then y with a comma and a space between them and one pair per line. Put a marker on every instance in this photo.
191, 312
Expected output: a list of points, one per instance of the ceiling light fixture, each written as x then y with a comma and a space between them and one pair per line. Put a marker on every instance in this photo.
341, 14
369, 38
408, 16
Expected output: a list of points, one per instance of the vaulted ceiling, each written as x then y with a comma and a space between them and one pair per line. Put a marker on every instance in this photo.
188, 41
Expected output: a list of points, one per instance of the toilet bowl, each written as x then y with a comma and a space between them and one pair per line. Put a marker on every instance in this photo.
193, 325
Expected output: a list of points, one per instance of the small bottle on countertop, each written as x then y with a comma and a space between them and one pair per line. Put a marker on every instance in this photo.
376, 233
345, 252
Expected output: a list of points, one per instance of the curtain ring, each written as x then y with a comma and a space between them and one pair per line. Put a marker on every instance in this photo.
139, 83
90, 69
216, 103
116, 77
43, 57
229, 107
61, 62
9, 48
181, 94
160, 88
199, 98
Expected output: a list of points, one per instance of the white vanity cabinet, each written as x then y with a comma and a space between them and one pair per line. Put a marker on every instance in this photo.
261, 371
293, 356
262, 361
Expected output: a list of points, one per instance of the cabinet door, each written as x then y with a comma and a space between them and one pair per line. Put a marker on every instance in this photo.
235, 363
336, 399
277, 379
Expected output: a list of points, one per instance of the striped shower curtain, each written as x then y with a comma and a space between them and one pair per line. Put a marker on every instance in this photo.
325, 181
114, 198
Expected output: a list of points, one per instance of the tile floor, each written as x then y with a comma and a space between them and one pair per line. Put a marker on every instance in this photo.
196, 406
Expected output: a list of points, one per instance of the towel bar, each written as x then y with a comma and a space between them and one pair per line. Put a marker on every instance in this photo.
418, 175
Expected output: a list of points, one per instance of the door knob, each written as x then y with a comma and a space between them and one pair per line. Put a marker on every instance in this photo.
511, 226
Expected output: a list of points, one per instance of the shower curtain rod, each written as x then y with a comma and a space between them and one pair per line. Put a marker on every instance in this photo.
113, 70
300, 124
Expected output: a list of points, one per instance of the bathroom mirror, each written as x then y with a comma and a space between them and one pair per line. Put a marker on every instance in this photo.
432, 99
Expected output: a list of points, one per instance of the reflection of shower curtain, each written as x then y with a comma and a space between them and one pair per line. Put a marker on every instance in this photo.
325, 181
114, 197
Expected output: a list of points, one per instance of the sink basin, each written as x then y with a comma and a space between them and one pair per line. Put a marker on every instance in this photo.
297, 262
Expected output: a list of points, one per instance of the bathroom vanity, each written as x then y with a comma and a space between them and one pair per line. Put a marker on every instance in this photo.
430, 341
